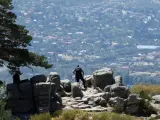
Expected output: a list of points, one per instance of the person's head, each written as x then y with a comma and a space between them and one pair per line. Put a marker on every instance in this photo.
77, 65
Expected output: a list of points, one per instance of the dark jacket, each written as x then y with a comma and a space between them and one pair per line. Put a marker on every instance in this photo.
78, 72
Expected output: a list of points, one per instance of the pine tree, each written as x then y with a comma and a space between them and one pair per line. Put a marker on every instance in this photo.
14, 41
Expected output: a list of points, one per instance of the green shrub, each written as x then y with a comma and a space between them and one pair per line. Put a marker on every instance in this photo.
146, 108
145, 95
43, 116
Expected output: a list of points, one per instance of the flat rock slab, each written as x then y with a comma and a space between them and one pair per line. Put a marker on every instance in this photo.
85, 103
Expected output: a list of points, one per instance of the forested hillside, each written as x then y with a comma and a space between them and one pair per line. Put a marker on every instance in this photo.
122, 34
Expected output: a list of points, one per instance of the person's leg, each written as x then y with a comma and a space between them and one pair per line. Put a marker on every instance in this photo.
84, 83
77, 80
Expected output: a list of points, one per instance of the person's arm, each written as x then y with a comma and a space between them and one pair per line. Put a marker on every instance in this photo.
82, 72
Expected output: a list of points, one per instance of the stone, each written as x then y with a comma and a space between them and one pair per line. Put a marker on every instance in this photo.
26, 90
20, 106
118, 80
106, 96
84, 106
38, 79
78, 98
132, 105
54, 78
117, 103
103, 102
132, 109
85, 100
156, 98
103, 77
44, 88
89, 80
95, 91
99, 90
12, 91
90, 102
56, 97
97, 100
155, 106
107, 88
76, 91
61, 92
66, 85
133, 99
119, 91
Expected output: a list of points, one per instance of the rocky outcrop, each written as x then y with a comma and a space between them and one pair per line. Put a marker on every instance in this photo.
36, 95
45, 96
20, 98
52, 95
102, 78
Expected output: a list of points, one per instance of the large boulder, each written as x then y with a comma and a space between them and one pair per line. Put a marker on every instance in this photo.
75, 90
66, 85
38, 79
26, 90
54, 78
133, 99
44, 88
13, 91
103, 77
45, 95
89, 80
119, 91
20, 106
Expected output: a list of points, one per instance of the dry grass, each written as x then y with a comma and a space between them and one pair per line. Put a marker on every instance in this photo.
82, 115
150, 89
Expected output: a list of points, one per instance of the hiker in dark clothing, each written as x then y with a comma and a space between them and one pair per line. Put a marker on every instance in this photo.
16, 79
79, 75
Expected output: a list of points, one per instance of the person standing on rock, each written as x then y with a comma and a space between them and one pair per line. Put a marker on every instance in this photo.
79, 73
16, 79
